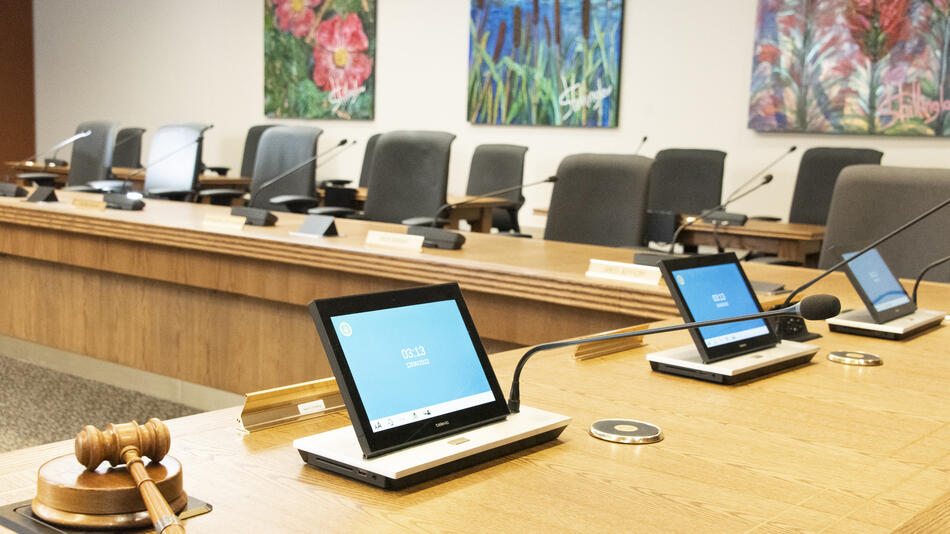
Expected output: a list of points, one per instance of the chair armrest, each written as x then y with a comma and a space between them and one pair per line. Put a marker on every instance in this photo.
765, 218
170, 194
425, 221
83, 189
38, 178
295, 203
221, 193
220, 171
109, 185
336, 182
335, 211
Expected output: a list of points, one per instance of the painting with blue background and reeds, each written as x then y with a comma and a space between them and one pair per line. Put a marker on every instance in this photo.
545, 62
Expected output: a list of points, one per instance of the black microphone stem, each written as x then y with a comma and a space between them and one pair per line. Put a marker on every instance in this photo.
514, 396
642, 142
922, 273
875, 243
733, 196
299, 166
127, 181
444, 207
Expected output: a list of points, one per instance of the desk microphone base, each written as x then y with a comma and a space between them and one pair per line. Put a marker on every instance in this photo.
859, 322
686, 361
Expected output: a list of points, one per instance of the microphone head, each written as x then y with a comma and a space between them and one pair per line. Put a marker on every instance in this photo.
552, 178
793, 148
644, 140
818, 307
767, 179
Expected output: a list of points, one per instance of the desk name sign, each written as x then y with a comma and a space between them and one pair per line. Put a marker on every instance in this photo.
89, 204
624, 272
396, 241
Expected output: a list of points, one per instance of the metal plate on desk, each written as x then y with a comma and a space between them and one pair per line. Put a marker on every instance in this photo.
848, 357
625, 431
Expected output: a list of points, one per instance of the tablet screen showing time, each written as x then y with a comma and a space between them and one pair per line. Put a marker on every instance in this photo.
409, 364
714, 287
882, 294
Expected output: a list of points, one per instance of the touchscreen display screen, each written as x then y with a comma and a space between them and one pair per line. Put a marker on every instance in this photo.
412, 363
717, 292
877, 281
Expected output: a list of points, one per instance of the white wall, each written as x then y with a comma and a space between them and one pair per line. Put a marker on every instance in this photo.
685, 80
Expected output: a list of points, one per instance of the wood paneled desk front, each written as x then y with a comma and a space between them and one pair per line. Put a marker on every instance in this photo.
136, 176
818, 448
226, 308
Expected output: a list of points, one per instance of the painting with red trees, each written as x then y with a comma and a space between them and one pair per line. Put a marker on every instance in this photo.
319, 58
851, 67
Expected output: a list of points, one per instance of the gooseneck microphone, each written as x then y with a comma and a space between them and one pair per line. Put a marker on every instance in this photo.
732, 198
762, 171
450, 205
59, 145
642, 142
923, 272
813, 308
301, 165
127, 181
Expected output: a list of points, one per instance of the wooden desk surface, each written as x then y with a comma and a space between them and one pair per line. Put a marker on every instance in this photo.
210, 305
206, 181
822, 447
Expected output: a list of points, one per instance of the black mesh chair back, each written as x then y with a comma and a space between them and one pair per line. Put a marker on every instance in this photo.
282, 148
128, 148
91, 157
497, 167
817, 174
600, 199
869, 201
368, 159
174, 159
686, 180
250, 147
409, 176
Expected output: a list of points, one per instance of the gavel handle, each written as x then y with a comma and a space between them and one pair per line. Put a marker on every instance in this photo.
163, 518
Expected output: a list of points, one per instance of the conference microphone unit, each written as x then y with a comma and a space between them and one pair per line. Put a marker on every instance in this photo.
642, 142
717, 209
68, 141
813, 308
795, 330
37, 176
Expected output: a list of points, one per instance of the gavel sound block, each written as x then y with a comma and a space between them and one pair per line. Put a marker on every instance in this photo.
89, 495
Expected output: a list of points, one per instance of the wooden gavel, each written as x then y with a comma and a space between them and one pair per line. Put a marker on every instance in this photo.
126, 443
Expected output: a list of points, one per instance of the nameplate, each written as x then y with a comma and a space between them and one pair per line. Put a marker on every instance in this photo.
317, 226
230, 222
312, 407
397, 241
624, 272
89, 204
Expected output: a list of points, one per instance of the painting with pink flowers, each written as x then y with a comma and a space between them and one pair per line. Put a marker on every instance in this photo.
852, 67
319, 58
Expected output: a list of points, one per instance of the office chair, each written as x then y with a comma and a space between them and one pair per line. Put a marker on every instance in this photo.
128, 148
408, 177
497, 167
368, 159
90, 161
279, 150
870, 201
600, 199
682, 181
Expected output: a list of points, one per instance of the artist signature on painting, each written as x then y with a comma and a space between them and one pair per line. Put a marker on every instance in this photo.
340, 97
575, 98
910, 103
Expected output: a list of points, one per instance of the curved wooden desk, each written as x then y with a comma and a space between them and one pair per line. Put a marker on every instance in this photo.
136, 176
158, 290
823, 447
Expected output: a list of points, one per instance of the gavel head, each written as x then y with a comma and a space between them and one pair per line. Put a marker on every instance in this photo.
96, 446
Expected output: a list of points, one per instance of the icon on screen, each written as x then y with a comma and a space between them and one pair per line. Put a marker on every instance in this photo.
680, 280
346, 329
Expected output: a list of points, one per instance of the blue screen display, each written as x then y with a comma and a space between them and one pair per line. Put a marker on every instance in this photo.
877, 281
412, 362
717, 292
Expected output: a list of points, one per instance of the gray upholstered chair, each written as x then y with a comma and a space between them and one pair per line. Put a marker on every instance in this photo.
91, 157
686, 180
368, 159
497, 167
128, 148
817, 174
870, 201
408, 177
281, 149
600, 199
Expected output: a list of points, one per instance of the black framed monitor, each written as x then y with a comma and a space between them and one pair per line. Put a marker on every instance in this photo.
715, 287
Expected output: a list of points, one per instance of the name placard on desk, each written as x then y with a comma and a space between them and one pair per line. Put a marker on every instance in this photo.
230, 222
89, 204
624, 272
397, 241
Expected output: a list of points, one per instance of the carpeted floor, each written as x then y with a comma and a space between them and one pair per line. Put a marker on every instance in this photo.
39, 405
